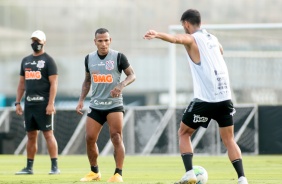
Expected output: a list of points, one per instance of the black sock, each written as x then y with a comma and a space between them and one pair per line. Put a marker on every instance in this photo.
118, 171
238, 165
29, 163
95, 169
187, 161
54, 163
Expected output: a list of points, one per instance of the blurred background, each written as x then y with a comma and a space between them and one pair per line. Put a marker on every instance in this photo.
253, 55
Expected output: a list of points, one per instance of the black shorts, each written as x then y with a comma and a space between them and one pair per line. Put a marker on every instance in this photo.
101, 115
200, 113
36, 118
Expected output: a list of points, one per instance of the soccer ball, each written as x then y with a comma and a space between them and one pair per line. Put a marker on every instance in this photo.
201, 174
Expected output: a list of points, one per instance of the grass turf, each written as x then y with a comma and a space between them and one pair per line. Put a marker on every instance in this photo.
156, 169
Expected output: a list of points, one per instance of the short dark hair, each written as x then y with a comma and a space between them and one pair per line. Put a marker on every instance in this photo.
101, 31
193, 16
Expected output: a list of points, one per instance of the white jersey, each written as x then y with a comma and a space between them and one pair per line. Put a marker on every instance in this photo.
210, 76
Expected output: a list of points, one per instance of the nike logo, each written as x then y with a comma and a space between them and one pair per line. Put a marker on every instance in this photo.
47, 126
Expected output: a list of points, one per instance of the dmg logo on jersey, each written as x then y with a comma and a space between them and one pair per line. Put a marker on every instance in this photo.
31, 75
199, 119
102, 78
109, 65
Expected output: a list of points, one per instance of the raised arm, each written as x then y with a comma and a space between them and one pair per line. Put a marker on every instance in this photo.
184, 39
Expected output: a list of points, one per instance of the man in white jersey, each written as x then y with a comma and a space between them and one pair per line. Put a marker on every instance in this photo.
212, 94
103, 69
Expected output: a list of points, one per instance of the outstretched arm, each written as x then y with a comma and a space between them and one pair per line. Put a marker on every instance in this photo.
184, 39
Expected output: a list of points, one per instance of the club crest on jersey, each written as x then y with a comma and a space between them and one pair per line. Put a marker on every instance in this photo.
110, 65
40, 64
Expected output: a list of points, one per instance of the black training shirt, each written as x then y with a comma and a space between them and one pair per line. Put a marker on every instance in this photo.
36, 70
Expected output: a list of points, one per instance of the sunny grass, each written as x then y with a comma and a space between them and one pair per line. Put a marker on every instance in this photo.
156, 169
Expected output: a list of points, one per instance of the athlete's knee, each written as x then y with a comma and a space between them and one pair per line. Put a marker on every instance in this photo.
48, 135
90, 139
116, 138
185, 132
32, 136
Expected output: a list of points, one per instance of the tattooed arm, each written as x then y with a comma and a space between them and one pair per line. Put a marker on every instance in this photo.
85, 89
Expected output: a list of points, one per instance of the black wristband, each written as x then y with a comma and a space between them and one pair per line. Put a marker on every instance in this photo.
17, 103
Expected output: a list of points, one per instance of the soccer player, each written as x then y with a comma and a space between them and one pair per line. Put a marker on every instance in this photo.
103, 69
212, 94
39, 80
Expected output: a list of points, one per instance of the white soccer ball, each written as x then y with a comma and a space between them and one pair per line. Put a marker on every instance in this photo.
201, 174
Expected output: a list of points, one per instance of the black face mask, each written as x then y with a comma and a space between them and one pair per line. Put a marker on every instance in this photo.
36, 46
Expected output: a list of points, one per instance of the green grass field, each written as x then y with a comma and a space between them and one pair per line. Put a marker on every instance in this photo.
155, 169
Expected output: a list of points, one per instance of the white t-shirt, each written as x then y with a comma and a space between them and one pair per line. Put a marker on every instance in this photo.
210, 76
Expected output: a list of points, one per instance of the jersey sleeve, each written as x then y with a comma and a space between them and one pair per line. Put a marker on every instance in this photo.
52, 67
122, 62
86, 63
